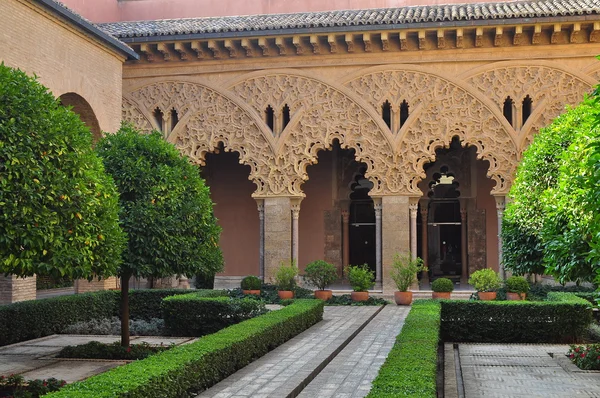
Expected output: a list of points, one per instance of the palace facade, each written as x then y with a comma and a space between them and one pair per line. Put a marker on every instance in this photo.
352, 135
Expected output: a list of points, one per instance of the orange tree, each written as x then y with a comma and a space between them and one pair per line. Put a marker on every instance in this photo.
166, 211
58, 208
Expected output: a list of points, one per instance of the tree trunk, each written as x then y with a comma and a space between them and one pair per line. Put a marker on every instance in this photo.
125, 309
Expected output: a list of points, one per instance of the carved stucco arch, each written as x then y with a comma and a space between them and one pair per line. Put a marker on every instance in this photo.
321, 113
447, 108
207, 118
549, 86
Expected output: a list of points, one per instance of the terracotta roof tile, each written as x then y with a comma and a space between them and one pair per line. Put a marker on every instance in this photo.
342, 18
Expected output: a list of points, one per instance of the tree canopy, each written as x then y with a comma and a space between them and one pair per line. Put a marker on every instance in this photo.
547, 224
58, 208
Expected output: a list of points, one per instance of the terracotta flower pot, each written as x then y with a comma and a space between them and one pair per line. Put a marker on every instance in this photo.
515, 296
403, 298
487, 296
285, 294
359, 296
255, 292
323, 294
441, 295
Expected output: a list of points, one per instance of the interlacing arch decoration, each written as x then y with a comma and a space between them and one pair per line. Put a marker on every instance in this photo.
550, 89
208, 118
445, 110
319, 114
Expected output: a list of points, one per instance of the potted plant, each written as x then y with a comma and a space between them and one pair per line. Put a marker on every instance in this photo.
285, 278
251, 285
321, 274
442, 288
516, 288
361, 279
404, 273
486, 282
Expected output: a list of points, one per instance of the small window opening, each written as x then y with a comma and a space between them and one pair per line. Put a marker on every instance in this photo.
270, 117
527, 103
403, 112
386, 113
286, 116
508, 110
174, 119
158, 117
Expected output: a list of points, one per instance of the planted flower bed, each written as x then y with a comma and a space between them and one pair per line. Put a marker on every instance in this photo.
15, 386
586, 357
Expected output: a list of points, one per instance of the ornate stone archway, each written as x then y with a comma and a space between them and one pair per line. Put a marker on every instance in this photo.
320, 113
445, 109
206, 119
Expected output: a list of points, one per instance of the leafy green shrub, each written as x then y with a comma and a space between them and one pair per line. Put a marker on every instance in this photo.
97, 350
346, 299
60, 211
585, 357
251, 282
194, 315
285, 276
410, 369
563, 320
197, 366
361, 278
268, 293
539, 291
485, 280
320, 273
442, 285
404, 270
106, 326
37, 318
517, 284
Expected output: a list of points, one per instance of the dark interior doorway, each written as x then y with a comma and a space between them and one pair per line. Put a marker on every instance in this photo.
362, 223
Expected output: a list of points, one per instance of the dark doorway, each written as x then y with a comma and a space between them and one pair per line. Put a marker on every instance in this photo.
362, 223
444, 231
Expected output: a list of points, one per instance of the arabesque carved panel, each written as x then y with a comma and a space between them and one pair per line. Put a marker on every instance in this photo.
447, 110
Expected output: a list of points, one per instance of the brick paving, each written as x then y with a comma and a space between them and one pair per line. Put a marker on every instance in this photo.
283, 371
350, 374
516, 370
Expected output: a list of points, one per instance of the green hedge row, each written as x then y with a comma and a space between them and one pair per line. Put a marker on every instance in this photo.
411, 367
37, 318
196, 315
197, 366
562, 319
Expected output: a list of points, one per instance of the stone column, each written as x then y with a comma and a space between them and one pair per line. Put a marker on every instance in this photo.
395, 234
295, 233
424, 243
500, 205
413, 208
261, 238
464, 275
278, 234
378, 267
13, 289
346, 239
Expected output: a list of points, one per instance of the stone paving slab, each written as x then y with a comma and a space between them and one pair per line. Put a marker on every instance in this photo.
352, 371
14, 364
518, 370
278, 373
71, 371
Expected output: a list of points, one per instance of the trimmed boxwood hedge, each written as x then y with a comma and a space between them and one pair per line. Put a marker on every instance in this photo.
197, 366
562, 319
37, 318
411, 367
195, 315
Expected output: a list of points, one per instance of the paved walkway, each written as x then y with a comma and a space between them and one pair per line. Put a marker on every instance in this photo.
351, 372
285, 371
515, 370
34, 359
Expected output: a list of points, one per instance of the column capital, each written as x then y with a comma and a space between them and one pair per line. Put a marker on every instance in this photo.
500, 203
346, 216
378, 207
413, 208
295, 211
